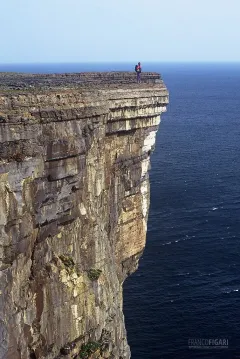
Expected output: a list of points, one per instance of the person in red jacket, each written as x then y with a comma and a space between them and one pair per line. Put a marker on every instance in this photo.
138, 70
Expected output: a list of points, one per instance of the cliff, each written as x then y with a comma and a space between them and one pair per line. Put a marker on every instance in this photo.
74, 198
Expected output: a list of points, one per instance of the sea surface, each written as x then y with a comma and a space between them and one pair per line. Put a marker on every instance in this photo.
188, 282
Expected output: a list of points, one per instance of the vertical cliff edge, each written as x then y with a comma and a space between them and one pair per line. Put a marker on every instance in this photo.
74, 196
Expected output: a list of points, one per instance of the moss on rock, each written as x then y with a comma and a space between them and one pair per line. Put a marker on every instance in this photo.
94, 274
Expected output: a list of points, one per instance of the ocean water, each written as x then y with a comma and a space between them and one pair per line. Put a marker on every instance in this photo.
188, 282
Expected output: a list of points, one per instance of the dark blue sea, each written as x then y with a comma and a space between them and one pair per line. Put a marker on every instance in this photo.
188, 282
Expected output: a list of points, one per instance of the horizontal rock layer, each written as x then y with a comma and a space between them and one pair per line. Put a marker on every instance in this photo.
74, 198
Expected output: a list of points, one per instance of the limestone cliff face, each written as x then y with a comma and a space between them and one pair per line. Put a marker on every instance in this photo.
74, 197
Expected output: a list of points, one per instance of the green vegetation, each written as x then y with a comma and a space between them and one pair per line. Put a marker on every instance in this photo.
88, 349
67, 261
94, 274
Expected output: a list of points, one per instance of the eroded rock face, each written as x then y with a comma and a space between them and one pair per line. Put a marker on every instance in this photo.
74, 198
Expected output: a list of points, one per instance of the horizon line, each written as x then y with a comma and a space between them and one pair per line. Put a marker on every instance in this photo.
124, 62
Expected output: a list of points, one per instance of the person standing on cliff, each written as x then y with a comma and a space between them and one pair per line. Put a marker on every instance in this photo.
138, 70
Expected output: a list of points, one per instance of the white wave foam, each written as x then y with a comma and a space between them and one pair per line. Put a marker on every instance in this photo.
231, 291
178, 240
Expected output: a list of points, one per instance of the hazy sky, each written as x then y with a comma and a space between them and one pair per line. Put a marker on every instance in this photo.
119, 30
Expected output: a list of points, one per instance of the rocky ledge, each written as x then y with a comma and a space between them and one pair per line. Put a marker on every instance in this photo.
74, 198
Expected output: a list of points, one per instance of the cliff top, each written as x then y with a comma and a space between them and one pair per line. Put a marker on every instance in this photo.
23, 81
